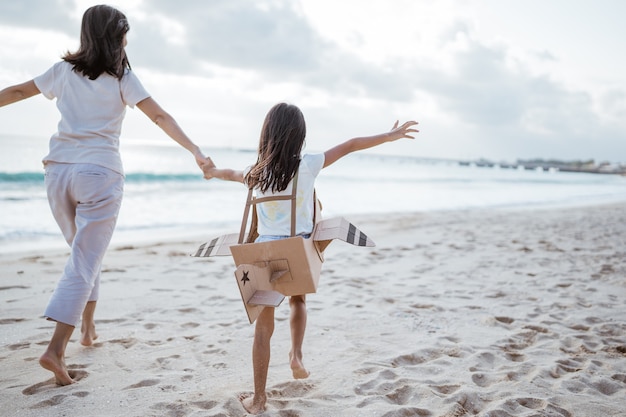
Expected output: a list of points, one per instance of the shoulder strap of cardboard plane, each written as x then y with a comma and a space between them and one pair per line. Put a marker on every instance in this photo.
253, 201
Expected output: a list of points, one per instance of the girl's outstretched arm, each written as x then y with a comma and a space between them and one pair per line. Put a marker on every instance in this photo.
18, 92
357, 144
222, 173
168, 124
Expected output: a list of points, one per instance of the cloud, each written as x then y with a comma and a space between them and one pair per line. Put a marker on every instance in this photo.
484, 86
39, 14
263, 36
487, 94
272, 39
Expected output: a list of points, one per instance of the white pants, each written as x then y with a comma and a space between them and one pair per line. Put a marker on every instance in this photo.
85, 200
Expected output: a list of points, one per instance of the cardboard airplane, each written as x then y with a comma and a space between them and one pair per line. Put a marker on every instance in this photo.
268, 271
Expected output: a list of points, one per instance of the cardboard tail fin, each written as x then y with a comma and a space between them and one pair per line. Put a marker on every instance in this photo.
255, 287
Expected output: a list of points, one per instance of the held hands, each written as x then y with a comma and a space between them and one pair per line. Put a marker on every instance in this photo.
205, 163
226, 174
402, 131
202, 160
207, 168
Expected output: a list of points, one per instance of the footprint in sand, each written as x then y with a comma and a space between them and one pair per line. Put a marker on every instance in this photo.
295, 389
52, 401
520, 341
165, 361
532, 403
445, 389
214, 351
415, 358
180, 408
107, 270
519, 406
580, 327
402, 395
466, 403
537, 329
204, 405
503, 319
126, 343
109, 321
574, 386
366, 388
483, 380
142, 384
514, 357
12, 287
606, 386
51, 384
571, 365
58, 399
188, 310
619, 377
566, 366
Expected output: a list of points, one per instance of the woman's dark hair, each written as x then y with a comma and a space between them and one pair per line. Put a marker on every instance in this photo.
282, 139
101, 43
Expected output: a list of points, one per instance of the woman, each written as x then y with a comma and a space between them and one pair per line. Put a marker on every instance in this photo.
83, 169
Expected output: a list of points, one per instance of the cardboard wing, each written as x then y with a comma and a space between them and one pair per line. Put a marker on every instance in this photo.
219, 246
325, 232
268, 271
339, 228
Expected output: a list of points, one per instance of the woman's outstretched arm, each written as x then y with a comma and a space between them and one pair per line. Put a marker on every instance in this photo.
18, 92
168, 124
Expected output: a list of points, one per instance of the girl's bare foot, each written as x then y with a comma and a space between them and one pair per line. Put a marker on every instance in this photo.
88, 334
57, 366
252, 403
297, 368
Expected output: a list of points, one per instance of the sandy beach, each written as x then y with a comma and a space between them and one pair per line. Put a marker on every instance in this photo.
463, 313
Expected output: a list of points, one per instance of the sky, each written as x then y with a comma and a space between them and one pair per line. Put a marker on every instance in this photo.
495, 79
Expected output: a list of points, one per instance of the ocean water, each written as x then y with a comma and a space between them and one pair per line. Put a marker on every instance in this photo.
165, 194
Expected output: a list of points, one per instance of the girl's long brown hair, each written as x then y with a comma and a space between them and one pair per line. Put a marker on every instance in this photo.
101, 43
280, 144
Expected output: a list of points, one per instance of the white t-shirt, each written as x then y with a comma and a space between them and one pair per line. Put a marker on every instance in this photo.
275, 216
92, 112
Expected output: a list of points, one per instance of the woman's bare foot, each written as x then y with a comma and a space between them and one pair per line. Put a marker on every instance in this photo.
297, 368
252, 403
88, 334
57, 366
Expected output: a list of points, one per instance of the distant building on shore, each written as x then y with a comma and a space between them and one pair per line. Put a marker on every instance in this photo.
588, 166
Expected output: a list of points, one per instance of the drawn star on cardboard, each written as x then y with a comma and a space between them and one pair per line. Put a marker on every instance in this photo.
245, 278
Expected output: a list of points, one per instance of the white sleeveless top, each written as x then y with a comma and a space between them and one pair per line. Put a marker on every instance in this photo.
274, 217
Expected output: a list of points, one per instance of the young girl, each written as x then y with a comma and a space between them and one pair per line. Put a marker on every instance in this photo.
83, 169
279, 159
